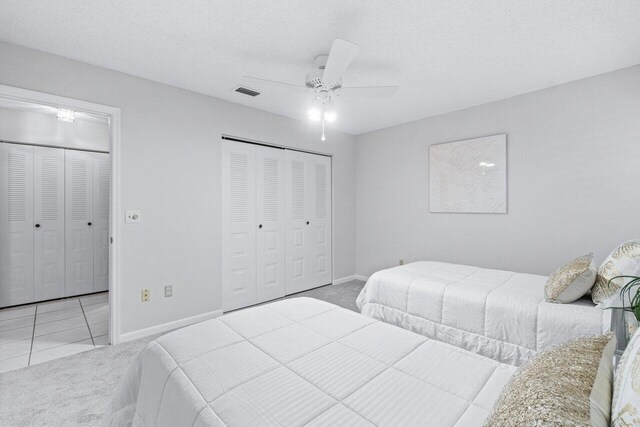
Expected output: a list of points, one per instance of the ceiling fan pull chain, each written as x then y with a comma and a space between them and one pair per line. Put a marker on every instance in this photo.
323, 138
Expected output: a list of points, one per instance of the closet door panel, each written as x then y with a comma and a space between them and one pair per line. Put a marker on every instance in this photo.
16, 225
101, 204
270, 217
79, 222
49, 236
238, 225
297, 243
320, 220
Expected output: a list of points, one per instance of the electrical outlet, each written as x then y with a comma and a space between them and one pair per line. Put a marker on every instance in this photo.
146, 295
168, 291
401, 262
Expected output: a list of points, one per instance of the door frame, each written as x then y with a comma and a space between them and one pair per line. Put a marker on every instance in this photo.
115, 225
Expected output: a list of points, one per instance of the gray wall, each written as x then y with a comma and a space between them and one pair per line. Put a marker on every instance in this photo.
573, 181
46, 129
171, 172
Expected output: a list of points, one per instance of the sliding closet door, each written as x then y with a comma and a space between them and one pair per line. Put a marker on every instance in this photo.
101, 199
79, 222
48, 212
238, 225
270, 217
16, 224
320, 220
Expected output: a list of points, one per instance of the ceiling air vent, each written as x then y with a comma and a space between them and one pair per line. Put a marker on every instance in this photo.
247, 91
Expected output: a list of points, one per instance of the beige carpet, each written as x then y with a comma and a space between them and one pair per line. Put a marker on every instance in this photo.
75, 390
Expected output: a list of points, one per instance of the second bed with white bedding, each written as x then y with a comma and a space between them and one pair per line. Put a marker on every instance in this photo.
499, 314
305, 362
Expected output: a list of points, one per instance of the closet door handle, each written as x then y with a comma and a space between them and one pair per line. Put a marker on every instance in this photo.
37, 225
260, 226
307, 222
89, 224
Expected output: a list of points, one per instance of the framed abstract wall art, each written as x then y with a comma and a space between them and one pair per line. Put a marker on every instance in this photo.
469, 176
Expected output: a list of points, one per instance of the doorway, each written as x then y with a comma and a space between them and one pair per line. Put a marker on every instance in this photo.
58, 262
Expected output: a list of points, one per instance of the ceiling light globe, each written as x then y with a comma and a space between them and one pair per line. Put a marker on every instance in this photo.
330, 116
314, 114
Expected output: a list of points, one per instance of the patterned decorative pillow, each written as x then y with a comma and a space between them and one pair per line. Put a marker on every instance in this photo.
624, 260
566, 385
571, 281
625, 410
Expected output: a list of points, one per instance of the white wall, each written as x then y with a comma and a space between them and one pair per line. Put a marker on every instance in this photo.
573, 181
46, 129
171, 172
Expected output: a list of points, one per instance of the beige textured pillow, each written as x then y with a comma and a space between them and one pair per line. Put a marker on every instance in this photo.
565, 385
624, 260
625, 410
571, 281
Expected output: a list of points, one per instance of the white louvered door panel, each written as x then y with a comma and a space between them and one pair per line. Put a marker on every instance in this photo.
270, 256
238, 225
101, 204
320, 220
297, 230
48, 212
79, 222
16, 224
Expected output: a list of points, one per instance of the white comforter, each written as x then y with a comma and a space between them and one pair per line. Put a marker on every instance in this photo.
499, 314
305, 362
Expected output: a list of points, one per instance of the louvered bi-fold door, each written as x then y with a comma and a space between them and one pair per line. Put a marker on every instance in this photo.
320, 220
48, 212
270, 274
308, 224
16, 224
297, 230
79, 222
238, 225
101, 193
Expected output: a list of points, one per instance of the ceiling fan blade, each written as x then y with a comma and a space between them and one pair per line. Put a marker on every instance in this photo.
341, 55
284, 85
368, 92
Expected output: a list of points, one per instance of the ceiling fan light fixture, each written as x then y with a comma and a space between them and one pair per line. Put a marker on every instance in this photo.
330, 116
66, 115
328, 108
314, 114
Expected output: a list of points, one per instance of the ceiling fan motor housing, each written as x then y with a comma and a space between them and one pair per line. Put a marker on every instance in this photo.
313, 79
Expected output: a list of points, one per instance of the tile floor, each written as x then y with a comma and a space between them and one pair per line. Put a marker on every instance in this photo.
36, 333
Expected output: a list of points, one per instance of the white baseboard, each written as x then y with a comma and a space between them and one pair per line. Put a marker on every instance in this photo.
343, 280
362, 278
129, 336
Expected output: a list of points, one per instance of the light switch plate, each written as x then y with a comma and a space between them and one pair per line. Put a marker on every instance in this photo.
132, 217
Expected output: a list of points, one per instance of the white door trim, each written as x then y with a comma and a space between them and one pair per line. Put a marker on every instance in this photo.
114, 149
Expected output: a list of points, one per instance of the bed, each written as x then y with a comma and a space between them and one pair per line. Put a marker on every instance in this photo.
305, 362
498, 314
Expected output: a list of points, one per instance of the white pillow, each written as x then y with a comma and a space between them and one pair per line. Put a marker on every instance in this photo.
625, 410
623, 261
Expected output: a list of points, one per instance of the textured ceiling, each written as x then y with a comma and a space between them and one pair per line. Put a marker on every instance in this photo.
445, 55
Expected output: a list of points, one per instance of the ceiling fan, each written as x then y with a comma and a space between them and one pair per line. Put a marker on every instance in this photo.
325, 81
